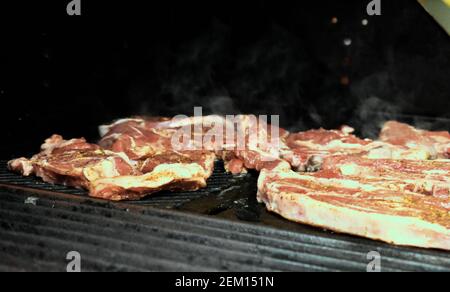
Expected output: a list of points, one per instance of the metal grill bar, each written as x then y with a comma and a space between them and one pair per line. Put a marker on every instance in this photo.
129, 237
218, 181
149, 242
182, 232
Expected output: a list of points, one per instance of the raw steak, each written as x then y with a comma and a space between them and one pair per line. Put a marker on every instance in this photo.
357, 207
405, 135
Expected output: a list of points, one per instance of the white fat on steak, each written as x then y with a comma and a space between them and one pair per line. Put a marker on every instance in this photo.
357, 207
178, 176
104, 129
429, 177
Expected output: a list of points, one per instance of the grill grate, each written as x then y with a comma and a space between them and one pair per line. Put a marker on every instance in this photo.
219, 181
121, 237
229, 231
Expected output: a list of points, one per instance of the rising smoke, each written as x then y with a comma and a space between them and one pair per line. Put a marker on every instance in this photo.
278, 71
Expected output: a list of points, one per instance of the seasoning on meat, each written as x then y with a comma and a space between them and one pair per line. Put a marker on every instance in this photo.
358, 207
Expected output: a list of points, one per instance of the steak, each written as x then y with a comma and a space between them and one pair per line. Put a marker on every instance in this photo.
357, 207
428, 177
438, 143
149, 139
149, 142
139, 138
247, 142
374, 189
112, 175
73, 162
307, 150
171, 172
262, 145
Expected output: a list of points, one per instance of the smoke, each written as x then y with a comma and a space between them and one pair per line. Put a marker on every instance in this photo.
268, 75
392, 95
375, 104
221, 105
185, 76
287, 72
371, 114
315, 116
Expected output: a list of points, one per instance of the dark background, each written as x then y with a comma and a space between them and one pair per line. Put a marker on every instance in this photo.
67, 75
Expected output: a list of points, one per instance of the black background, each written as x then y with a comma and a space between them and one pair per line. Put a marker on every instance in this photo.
68, 74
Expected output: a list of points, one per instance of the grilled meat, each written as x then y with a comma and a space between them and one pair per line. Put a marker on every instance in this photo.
429, 177
438, 143
357, 206
255, 144
139, 138
308, 149
112, 175
172, 173
74, 163
368, 188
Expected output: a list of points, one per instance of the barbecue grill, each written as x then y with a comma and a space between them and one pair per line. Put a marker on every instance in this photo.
221, 227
